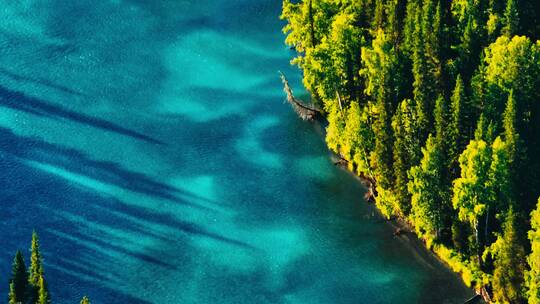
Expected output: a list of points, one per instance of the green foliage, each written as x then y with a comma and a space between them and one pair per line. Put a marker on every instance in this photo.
336, 125
470, 194
12, 296
500, 178
509, 263
511, 135
382, 156
85, 300
511, 18
457, 129
384, 72
358, 139
43, 293
36, 268
19, 279
533, 274
379, 66
406, 151
428, 191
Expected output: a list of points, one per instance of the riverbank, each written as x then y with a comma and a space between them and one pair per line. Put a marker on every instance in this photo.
401, 229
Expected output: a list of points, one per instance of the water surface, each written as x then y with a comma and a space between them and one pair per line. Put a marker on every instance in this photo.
148, 144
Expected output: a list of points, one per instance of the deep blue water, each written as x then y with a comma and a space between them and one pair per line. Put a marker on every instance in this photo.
148, 144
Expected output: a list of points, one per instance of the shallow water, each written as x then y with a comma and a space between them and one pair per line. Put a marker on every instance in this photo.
148, 144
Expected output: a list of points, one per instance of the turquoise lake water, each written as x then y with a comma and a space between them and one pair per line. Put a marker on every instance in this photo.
148, 144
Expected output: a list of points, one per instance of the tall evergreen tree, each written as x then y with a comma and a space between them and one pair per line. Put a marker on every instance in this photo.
382, 157
509, 263
511, 136
19, 279
441, 123
457, 130
532, 278
12, 296
85, 300
36, 267
511, 18
43, 292
406, 151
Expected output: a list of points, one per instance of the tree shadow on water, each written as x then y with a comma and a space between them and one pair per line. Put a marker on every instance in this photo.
71, 160
22, 102
76, 221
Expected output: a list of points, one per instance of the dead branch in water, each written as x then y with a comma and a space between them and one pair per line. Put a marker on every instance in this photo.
304, 111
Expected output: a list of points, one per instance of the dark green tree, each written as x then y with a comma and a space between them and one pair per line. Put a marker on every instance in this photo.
509, 263
511, 18
457, 129
406, 151
533, 274
511, 135
382, 157
19, 279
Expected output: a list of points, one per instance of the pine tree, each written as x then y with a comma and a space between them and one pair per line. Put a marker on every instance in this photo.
509, 263
406, 151
12, 296
509, 122
441, 123
511, 18
532, 278
423, 79
382, 157
36, 267
43, 293
457, 128
85, 300
19, 279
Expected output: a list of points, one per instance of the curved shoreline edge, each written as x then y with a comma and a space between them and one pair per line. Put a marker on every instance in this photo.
402, 229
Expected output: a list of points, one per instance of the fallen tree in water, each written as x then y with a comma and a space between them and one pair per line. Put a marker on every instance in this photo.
304, 111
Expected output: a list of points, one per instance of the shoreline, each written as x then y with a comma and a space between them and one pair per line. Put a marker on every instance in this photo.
404, 232
399, 227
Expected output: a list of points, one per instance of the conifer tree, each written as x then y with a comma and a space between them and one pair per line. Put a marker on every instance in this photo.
509, 263
423, 81
511, 18
406, 151
85, 300
441, 123
19, 279
12, 296
532, 278
509, 122
382, 157
36, 267
43, 293
457, 129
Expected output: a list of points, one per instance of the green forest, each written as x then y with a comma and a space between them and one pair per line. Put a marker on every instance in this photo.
437, 103
28, 285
